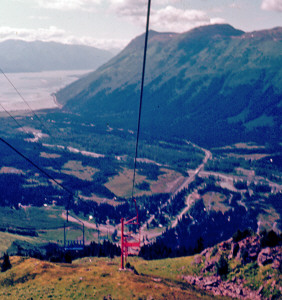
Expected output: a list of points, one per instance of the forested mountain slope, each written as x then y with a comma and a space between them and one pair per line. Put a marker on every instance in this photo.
213, 85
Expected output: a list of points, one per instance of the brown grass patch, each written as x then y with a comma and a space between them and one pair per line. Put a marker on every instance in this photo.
215, 201
75, 168
49, 155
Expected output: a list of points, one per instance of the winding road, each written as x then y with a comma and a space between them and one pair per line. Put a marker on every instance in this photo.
184, 185
190, 179
101, 227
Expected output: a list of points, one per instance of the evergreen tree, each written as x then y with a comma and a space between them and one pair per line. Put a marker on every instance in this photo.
222, 267
6, 265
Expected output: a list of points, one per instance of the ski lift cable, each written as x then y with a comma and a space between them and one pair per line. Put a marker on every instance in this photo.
45, 174
32, 111
24, 130
7, 112
23, 99
37, 167
141, 95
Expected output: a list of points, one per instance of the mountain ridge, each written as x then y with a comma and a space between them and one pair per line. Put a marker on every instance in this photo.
23, 56
213, 76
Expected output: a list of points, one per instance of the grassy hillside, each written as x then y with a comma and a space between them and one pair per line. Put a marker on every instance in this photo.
91, 278
247, 266
6, 239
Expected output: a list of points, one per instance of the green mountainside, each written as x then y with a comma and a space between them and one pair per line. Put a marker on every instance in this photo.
213, 85
90, 278
247, 266
37, 56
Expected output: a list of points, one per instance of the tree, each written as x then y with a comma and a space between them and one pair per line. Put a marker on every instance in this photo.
6, 265
222, 267
270, 239
199, 245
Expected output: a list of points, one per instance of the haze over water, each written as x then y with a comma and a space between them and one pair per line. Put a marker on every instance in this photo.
35, 87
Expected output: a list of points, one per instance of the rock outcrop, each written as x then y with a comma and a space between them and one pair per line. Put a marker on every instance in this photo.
220, 287
251, 249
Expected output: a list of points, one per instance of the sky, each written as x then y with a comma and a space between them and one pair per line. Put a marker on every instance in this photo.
111, 24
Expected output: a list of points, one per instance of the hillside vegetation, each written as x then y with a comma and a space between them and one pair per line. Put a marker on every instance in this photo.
247, 266
88, 278
214, 85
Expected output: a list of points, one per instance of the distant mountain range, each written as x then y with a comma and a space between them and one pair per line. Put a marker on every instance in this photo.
22, 56
213, 85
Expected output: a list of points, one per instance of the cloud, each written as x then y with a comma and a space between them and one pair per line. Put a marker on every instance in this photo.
173, 19
217, 21
128, 7
167, 18
136, 7
107, 44
44, 34
39, 18
235, 5
69, 4
59, 35
272, 5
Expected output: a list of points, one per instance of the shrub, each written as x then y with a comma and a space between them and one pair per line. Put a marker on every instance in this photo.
241, 185
68, 258
129, 266
199, 245
145, 186
270, 239
240, 235
214, 251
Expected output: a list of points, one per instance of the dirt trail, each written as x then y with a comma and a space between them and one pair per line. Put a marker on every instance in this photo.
101, 227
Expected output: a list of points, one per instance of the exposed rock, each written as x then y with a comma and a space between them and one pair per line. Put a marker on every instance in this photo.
260, 290
277, 263
209, 266
214, 281
247, 250
226, 245
238, 291
198, 260
265, 257
206, 251
224, 288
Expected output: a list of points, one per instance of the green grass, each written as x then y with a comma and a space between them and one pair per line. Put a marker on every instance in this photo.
32, 217
261, 121
121, 184
169, 268
72, 233
6, 240
89, 278
255, 277
47, 222
268, 218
